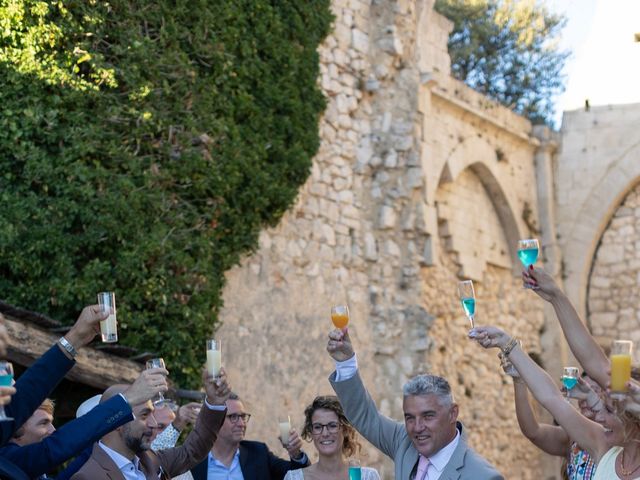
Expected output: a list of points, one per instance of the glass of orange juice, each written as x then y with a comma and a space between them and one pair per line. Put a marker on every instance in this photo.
340, 316
620, 365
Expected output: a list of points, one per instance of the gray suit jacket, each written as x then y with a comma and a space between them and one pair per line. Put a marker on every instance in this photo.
165, 463
392, 439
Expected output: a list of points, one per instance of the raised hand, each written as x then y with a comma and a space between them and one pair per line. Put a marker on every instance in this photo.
87, 326
339, 345
148, 384
540, 282
489, 337
5, 395
294, 446
187, 415
507, 366
217, 388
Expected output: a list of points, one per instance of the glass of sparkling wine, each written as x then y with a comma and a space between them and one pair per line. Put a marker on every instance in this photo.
158, 363
620, 365
6, 379
340, 316
108, 327
468, 299
528, 251
355, 470
569, 378
214, 357
284, 425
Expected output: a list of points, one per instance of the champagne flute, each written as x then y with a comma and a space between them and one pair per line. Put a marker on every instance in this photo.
284, 424
6, 380
468, 299
355, 470
340, 316
158, 363
569, 378
214, 357
108, 327
528, 251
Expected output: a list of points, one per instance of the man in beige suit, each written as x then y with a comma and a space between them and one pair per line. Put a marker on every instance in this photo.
125, 453
430, 445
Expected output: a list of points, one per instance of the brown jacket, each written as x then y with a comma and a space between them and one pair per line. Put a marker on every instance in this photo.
166, 463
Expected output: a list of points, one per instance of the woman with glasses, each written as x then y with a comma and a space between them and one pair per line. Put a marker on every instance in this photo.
335, 440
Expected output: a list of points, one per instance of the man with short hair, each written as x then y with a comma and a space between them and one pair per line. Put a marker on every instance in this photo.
126, 451
233, 457
431, 444
37, 447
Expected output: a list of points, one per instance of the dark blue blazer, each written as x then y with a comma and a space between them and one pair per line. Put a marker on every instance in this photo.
33, 386
70, 439
256, 462
8, 471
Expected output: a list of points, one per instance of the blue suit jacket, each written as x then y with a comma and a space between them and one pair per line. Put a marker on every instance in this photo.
70, 439
33, 386
256, 462
9, 471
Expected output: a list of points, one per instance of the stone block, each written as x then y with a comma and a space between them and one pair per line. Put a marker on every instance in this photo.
386, 217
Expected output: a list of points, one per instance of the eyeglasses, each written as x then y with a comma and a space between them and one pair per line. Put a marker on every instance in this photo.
332, 427
234, 417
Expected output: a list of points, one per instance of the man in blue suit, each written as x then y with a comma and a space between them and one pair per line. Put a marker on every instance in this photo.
236, 458
35, 384
37, 447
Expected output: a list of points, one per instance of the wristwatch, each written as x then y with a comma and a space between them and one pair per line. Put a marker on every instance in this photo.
64, 343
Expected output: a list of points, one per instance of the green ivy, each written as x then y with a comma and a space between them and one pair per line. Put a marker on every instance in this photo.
143, 145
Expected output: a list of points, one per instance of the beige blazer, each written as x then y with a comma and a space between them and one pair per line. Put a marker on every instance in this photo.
392, 439
163, 464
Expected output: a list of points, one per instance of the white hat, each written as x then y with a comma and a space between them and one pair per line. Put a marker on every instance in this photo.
88, 405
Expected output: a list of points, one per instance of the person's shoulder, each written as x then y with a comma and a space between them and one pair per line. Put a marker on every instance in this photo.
253, 445
477, 463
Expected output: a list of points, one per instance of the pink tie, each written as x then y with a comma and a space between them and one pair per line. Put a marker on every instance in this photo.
423, 466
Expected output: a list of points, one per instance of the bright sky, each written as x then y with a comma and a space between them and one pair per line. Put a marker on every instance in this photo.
605, 64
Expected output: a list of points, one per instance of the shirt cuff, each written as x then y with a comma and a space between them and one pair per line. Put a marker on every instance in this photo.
303, 460
219, 408
347, 369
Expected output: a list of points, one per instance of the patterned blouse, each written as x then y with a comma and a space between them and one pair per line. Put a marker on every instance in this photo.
580, 466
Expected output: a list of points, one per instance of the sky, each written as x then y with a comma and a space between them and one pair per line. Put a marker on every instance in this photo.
605, 64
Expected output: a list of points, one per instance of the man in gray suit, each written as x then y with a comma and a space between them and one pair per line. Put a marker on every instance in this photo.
431, 444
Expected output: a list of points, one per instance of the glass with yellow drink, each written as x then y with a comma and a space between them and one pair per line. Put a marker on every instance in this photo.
620, 365
340, 316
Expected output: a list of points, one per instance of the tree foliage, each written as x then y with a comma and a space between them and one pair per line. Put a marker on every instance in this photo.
508, 50
143, 146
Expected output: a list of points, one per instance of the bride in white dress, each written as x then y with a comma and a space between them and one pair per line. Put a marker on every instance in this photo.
335, 440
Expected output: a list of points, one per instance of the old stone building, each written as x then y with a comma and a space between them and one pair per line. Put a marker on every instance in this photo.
421, 182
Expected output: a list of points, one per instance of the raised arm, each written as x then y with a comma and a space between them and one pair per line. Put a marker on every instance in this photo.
588, 434
580, 340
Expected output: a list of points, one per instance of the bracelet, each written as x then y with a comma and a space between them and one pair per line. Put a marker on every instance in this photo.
596, 407
510, 346
64, 343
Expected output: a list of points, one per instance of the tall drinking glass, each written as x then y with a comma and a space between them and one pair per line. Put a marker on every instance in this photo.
620, 365
284, 425
340, 316
528, 251
355, 470
160, 400
569, 378
108, 327
214, 357
6, 379
468, 299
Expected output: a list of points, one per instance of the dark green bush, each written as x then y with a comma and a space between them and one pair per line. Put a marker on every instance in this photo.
143, 145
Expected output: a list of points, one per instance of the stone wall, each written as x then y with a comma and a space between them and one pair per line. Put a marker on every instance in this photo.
419, 182
613, 285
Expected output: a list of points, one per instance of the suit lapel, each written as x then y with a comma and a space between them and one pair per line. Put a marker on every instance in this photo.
456, 462
199, 472
111, 470
151, 467
245, 465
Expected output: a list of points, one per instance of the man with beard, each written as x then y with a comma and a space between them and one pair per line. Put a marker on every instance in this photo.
126, 452
234, 458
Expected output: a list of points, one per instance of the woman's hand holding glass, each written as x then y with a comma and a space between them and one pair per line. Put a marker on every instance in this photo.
294, 445
490, 337
540, 282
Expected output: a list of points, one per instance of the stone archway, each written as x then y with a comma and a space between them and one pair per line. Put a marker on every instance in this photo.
473, 163
612, 309
591, 219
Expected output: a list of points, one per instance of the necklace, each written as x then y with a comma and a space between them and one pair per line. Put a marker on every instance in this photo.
625, 472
